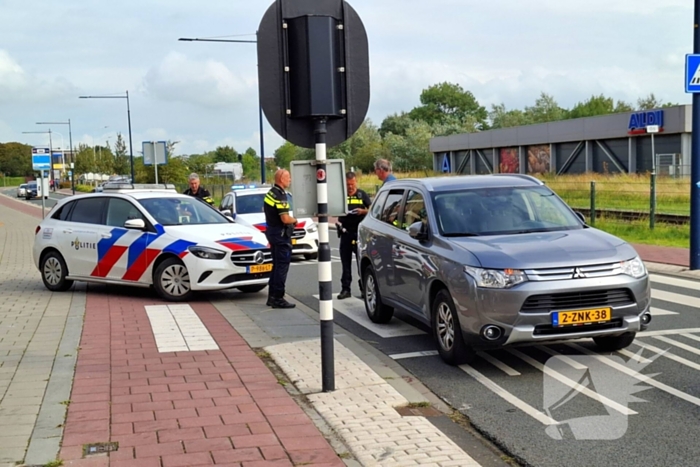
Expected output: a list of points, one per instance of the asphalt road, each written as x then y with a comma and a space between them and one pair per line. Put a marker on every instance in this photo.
49, 203
521, 399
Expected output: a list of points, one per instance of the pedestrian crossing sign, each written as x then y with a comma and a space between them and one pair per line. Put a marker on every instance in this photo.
692, 73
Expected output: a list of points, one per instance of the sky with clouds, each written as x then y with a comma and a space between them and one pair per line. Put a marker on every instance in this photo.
205, 94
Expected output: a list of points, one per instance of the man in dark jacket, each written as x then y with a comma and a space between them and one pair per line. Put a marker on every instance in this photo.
358, 205
197, 190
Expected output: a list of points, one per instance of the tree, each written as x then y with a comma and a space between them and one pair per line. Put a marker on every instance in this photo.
225, 154
396, 124
16, 159
595, 105
546, 110
502, 118
651, 102
285, 154
411, 152
200, 163
445, 100
122, 164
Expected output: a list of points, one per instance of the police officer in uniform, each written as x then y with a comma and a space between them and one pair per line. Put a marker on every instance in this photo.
197, 190
280, 226
358, 205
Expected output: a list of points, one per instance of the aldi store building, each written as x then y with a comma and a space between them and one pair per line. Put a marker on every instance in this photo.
617, 143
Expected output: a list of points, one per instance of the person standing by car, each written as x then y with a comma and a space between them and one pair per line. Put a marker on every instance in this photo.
382, 168
197, 190
280, 226
358, 206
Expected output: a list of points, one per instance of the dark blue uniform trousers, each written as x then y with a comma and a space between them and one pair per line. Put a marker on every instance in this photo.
281, 249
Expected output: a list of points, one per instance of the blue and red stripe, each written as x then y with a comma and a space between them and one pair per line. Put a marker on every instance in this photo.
108, 254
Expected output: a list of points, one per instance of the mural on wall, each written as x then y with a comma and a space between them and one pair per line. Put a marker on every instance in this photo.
538, 159
510, 161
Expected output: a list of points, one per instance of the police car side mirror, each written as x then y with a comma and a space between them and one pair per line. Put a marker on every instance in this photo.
227, 213
135, 224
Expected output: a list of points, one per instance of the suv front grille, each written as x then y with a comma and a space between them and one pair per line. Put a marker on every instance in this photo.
577, 300
247, 257
558, 274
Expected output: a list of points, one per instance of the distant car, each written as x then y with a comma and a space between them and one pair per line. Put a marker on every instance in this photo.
113, 179
22, 190
31, 190
247, 203
146, 236
494, 260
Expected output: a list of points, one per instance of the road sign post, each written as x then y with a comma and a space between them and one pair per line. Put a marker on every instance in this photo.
155, 153
313, 75
692, 84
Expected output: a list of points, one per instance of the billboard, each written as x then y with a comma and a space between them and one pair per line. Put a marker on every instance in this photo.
539, 159
509, 161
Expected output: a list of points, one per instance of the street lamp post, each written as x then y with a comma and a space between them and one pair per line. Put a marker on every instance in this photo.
72, 154
262, 139
128, 116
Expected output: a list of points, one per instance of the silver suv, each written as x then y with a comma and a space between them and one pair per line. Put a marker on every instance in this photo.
494, 260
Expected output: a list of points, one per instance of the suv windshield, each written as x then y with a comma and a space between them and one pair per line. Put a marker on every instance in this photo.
182, 211
498, 211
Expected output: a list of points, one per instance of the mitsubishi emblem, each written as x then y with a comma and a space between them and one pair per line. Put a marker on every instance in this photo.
578, 274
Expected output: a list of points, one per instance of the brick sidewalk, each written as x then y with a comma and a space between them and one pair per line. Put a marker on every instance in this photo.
222, 407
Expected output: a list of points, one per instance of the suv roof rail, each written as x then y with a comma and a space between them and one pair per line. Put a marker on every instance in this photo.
138, 186
524, 177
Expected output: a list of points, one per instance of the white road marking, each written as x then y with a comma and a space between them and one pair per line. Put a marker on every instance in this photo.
573, 384
680, 345
675, 298
646, 379
661, 312
354, 309
569, 361
424, 353
508, 397
669, 355
498, 364
634, 356
668, 280
667, 332
691, 337
177, 328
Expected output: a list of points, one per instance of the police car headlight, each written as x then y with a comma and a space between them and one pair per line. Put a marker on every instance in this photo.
206, 252
312, 228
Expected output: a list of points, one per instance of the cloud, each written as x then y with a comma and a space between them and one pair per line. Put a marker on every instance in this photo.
207, 83
17, 85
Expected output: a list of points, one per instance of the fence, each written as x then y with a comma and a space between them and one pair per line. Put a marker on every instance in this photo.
658, 198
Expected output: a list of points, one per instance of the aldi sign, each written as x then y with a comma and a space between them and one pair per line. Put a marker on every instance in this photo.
641, 120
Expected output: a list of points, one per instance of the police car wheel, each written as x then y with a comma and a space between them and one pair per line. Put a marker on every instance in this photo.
172, 281
54, 271
251, 288
377, 311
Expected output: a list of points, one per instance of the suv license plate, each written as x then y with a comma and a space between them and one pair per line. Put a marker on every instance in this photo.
579, 317
260, 268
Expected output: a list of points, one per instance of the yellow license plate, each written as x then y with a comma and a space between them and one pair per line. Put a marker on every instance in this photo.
260, 268
579, 317
294, 241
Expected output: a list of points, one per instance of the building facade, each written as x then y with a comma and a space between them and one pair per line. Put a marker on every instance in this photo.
616, 143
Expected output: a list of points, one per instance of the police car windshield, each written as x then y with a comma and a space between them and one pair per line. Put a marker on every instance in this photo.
250, 204
182, 211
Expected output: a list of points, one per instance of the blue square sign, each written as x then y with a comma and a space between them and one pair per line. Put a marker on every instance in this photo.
692, 73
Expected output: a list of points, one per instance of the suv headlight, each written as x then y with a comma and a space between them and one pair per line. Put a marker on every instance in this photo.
312, 227
206, 252
496, 278
634, 267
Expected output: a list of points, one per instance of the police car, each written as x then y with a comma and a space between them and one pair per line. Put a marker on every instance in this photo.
149, 235
246, 202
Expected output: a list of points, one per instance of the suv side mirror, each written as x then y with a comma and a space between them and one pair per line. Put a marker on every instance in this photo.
580, 216
419, 231
135, 224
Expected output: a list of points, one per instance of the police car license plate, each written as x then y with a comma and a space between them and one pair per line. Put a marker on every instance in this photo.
294, 241
579, 317
259, 268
